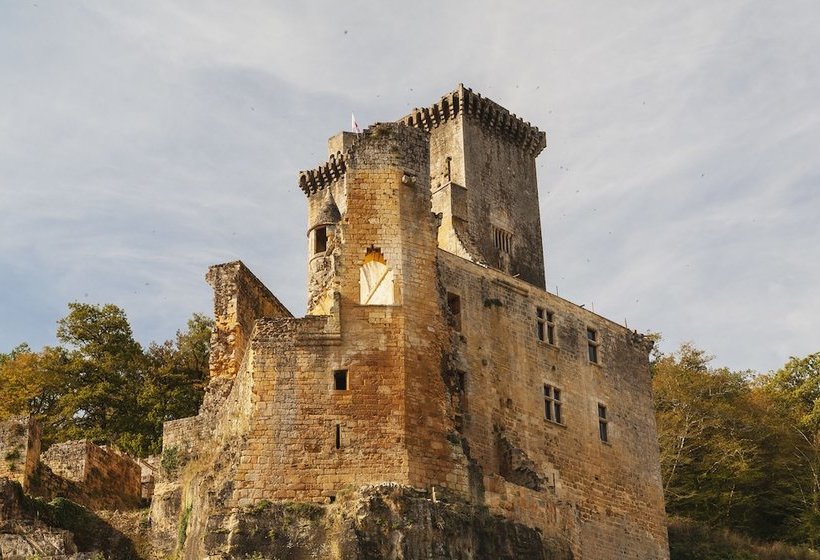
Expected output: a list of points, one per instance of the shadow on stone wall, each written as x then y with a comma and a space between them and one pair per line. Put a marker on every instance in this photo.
383, 522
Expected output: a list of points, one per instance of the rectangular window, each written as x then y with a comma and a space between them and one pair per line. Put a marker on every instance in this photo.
592, 345
340, 380
454, 307
552, 404
319, 240
544, 325
338, 436
502, 239
603, 423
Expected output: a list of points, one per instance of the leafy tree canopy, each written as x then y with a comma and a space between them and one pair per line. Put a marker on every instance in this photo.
739, 450
100, 384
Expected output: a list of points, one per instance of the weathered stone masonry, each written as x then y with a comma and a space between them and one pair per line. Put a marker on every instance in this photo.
98, 477
431, 357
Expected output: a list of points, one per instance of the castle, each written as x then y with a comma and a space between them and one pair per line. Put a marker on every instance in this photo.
436, 401
431, 356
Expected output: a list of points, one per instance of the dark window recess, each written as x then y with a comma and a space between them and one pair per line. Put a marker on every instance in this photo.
603, 423
340, 380
552, 404
338, 436
502, 240
454, 307
544, 325
320, 240
592, 345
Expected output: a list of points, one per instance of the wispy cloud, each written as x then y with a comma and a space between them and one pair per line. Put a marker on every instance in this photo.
142, 142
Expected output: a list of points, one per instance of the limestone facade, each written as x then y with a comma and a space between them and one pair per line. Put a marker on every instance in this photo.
431, 355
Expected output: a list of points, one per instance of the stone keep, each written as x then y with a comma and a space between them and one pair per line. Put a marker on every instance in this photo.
431, 356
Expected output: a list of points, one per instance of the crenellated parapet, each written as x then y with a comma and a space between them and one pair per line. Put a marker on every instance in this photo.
317, 179
463, 101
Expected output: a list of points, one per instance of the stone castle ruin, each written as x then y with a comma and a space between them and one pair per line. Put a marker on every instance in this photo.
435, 401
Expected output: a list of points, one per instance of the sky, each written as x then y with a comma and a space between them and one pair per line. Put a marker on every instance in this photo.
141, 142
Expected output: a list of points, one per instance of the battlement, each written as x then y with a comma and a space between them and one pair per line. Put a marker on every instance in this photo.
491, 115
317, 179
431, 357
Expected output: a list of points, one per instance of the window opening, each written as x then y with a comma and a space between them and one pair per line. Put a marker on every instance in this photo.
338, 436
544, 325
320, 240
340, 380
502, 240
603, 423
592, 345
552, 404
376, 279
462, 381
454, 307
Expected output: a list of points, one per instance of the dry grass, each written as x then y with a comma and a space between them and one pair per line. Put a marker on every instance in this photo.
690, 540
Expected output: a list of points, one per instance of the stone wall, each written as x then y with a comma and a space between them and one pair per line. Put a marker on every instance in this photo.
482, 170
19, 449
614, 487
438, 383
93, 476
239, 300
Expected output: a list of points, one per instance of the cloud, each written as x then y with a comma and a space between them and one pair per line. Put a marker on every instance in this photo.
146, 141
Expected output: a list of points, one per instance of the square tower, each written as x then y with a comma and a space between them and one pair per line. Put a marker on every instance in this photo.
483, 179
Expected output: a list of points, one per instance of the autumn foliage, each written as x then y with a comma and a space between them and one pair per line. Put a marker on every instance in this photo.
741, 450
100, 384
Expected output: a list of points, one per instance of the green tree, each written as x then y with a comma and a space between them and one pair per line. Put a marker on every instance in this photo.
28, 383
100, 384
175, 379
793, 393
102, 376
714, 443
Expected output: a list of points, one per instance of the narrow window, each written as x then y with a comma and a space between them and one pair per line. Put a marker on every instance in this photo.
454, 307
603, 421
544, 325
592, 345
340, 380
552, 404
462, 382
338, 436
320, 240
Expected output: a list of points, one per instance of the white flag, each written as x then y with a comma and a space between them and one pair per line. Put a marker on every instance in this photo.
354, 124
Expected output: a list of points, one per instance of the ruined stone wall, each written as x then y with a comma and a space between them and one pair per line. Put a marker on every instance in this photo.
239, 300
183, 435
19, 449
93, 476
613, 488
